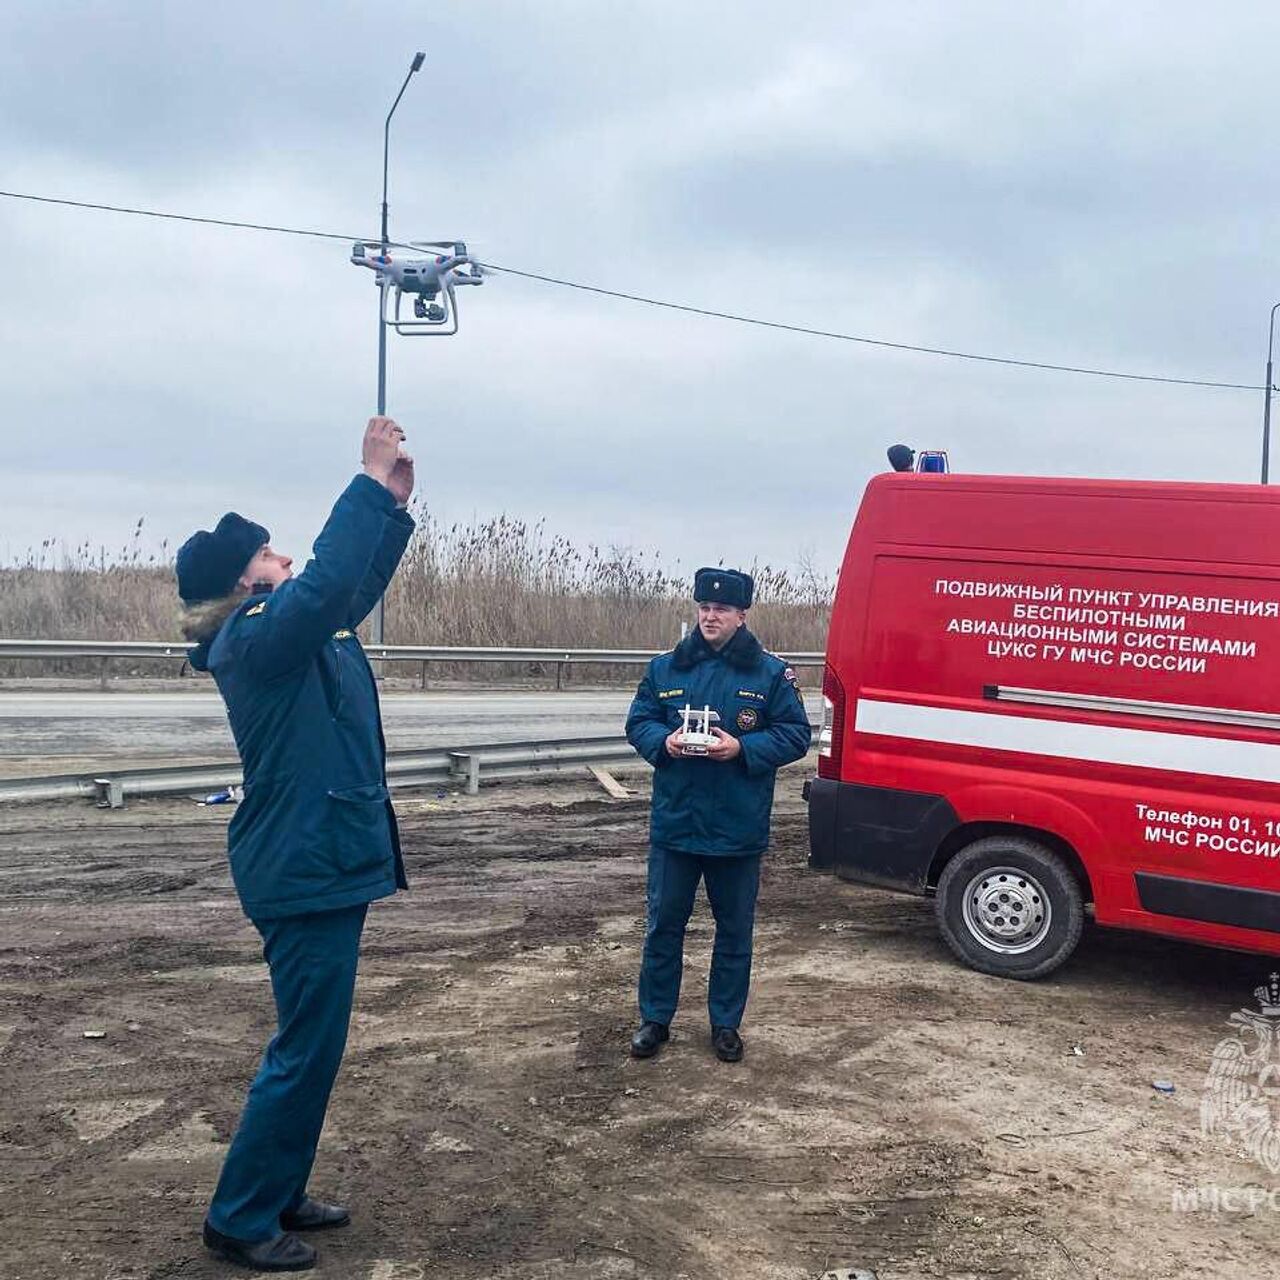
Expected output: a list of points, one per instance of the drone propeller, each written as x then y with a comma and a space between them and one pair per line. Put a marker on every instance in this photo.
457, 247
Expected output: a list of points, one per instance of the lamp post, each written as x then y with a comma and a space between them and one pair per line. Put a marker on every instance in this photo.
379, 614
1266, 402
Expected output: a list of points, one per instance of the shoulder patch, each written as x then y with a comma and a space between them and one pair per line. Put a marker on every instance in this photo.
344, 634
789, 675
257, 609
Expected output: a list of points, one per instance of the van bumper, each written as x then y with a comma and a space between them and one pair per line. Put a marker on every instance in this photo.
876, 835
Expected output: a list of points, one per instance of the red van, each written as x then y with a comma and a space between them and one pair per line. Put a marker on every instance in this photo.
1041, 694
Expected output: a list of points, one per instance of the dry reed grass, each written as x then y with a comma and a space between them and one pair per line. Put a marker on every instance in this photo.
493, 582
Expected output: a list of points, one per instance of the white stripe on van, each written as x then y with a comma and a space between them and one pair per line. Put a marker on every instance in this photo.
1062, 739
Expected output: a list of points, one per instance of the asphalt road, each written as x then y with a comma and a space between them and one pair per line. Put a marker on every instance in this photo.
145, 725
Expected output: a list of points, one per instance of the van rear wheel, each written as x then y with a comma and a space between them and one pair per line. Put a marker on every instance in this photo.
1009, 906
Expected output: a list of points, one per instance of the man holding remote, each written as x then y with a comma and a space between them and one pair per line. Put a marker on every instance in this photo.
711, 804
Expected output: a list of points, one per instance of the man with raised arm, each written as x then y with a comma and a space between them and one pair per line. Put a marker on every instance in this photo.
314, 840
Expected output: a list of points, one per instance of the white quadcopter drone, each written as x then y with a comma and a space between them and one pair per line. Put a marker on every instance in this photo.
431, 280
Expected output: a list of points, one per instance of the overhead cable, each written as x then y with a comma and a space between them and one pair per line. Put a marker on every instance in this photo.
687, 308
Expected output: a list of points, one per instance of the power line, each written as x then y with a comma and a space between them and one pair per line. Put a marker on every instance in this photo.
875, 342
177, 217
670, 306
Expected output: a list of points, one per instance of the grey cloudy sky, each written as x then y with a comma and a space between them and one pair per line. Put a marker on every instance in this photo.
1085, 183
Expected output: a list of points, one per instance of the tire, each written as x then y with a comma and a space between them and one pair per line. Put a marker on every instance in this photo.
1010, 907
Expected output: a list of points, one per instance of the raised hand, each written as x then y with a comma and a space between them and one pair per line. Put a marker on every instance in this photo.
400, 481
381, 449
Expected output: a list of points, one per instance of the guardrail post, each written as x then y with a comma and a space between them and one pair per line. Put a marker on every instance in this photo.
102, 679
424, 675
559, 676
466, 763
108, 793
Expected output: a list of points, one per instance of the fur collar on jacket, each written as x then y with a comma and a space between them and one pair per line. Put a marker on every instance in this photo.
742, 651
202, 622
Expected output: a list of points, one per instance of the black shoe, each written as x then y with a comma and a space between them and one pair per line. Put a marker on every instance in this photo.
649, 1039
727, 1043
283, 1253
314, 1215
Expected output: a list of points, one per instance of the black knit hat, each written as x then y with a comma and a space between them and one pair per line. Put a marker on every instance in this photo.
723, 586
210, 564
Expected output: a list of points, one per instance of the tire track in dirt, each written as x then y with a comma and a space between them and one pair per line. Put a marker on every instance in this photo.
488, 1123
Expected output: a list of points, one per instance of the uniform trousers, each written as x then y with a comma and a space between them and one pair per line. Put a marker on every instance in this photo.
732, 884
313, 960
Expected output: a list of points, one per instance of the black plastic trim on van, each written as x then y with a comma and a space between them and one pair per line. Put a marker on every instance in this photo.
876, 835
1212, 903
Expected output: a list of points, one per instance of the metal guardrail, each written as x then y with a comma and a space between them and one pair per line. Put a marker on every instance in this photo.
413, 768
433, 766
106, 650
383, 652
94, 649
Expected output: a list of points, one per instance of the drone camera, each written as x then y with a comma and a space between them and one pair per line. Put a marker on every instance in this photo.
432, 312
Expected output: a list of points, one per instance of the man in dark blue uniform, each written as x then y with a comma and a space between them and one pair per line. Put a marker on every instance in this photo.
710, 817
314, 840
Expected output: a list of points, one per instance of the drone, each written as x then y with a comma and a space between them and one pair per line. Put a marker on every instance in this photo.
430, 280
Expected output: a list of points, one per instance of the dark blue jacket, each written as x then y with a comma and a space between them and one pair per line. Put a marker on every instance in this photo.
704, 806
315, 830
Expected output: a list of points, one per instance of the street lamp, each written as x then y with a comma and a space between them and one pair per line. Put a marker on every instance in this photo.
1266, 402
379, 612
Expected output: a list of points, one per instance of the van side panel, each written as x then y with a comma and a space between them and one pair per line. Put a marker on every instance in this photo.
1147, 615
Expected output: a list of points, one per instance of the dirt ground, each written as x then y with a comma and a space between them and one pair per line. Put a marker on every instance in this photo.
894, 1112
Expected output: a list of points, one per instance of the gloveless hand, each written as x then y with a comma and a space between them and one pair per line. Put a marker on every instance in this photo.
727, 746
381, 449
400, 481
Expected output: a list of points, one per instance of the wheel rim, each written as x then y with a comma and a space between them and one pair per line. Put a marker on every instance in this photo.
1007, 910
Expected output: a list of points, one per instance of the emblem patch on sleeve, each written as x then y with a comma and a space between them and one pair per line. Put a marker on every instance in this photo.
257, 609
789, 675
748, 718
